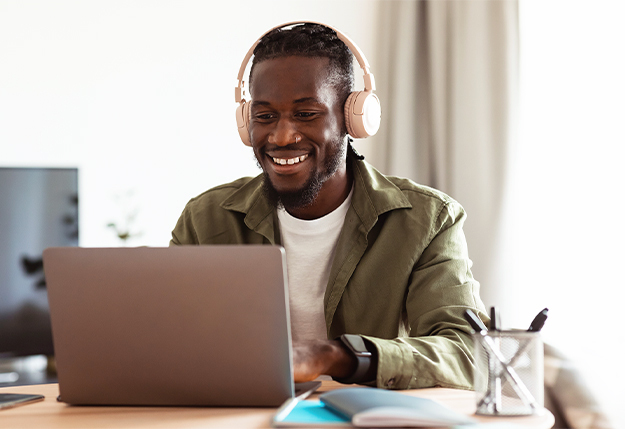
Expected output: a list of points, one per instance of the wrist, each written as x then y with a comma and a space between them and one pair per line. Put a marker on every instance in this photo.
342, 363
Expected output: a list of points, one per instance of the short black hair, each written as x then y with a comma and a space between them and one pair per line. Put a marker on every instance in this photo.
310, 40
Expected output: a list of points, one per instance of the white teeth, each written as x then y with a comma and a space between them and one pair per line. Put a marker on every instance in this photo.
290, 161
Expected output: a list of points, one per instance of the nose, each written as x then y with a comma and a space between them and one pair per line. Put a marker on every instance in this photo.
285, 133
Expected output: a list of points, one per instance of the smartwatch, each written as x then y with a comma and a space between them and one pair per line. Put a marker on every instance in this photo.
357, 347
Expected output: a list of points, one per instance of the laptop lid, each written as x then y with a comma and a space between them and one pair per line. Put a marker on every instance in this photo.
188, 325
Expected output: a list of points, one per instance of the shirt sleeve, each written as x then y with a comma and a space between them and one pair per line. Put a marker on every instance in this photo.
184, 231
439, 348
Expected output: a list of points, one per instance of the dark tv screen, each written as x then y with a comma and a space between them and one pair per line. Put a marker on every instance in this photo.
38, 209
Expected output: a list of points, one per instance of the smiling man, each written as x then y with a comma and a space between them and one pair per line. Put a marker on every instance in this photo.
378, 270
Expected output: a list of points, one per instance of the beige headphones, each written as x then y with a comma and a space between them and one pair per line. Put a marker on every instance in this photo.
362, 108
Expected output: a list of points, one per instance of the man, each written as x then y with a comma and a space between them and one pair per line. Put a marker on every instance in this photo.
379, 275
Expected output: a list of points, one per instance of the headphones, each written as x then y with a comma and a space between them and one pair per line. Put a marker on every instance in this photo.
362, 108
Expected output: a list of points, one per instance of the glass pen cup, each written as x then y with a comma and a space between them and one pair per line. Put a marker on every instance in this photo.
509, 375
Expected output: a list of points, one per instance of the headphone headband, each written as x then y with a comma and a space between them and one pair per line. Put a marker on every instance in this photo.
355, 50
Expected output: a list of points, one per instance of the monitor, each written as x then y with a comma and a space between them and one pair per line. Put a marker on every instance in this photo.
38, 209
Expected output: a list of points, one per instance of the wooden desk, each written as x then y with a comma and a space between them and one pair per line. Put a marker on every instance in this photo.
51, 414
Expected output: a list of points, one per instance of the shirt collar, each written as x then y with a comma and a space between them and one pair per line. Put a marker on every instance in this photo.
374, 194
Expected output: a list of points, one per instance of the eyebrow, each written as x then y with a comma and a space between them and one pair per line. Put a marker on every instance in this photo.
298, 101
307, 100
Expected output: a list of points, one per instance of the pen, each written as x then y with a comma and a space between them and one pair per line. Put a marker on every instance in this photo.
539, 321
475, 322
495, 320
494, 383
536, 325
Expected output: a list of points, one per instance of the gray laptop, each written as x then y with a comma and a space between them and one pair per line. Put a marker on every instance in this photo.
189, 325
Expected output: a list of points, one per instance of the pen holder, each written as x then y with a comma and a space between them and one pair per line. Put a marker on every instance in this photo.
509, 378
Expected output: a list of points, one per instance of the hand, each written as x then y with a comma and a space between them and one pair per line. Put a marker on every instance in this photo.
321, 357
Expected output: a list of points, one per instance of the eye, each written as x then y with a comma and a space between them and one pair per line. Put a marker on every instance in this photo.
263, 116
306, 115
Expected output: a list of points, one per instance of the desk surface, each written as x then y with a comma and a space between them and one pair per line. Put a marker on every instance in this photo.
51, 414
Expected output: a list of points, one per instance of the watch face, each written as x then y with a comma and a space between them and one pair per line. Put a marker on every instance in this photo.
356, 344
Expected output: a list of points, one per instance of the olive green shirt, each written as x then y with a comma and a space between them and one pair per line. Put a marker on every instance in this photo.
401, 275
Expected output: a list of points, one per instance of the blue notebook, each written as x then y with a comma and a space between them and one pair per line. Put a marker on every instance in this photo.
367, 407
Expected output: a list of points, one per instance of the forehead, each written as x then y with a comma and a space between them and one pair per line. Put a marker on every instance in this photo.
291, 78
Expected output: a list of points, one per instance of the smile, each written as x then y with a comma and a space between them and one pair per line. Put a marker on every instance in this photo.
289, 161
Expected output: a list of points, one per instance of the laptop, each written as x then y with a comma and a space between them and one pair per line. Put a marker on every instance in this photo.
187, 326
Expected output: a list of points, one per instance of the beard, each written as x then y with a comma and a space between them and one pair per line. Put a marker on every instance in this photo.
307, 194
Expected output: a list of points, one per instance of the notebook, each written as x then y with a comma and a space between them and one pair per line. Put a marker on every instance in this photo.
368, 407
188, 325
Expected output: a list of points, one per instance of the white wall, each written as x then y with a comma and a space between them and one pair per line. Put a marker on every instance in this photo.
569, 237
139, 96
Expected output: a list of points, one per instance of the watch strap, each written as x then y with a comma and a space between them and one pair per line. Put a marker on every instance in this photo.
356, 346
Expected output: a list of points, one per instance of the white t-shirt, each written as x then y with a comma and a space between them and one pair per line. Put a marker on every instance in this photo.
310, 246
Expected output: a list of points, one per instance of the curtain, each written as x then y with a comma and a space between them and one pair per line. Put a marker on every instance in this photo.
447, 77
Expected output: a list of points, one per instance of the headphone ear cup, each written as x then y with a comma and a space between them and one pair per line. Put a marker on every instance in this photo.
362, 114
243, 122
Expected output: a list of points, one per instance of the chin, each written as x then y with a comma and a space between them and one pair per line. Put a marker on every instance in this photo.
294, 196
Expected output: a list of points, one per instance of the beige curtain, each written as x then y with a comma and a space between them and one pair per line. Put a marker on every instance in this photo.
447, 75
